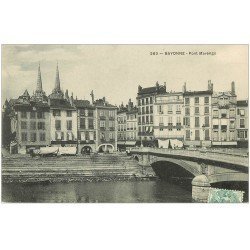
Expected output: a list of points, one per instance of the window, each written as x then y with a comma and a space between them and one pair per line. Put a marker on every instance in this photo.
69, 113
147, 119
242, 134
197, 135
56, 112
207, 138
216, 113
32, 115
170, 109
102, 124
91, 123
206, 110
139, 120
187, 101
232, 125
143, 110
32, 125
82, 112
187, 134
224, 128
242, 123
231, 113
58, 125
196, 100
206, 100
151, 109
142, 101
23, 125
223, 113
178, 109
151, 119
241, 112
143, 119
151, 100
187, 121
187, 111
23, 114
196, 110
215, 126
82, 123
111, 124
197, 122
40, 115
90, 113
146, 101
32, 137
147, 109
41, 125
111, 113
69, 125
206, 121
24, 136
42, 137
111, 136
178, 121
231, 135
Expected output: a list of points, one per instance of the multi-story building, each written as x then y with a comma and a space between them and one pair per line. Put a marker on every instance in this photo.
197, 116
31, 119
86, 126
106, 125
224, 105
63, 116
131, 124
121, 127
168, 117
242, 123
145, 99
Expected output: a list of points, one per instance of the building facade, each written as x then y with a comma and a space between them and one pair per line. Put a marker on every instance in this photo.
145, 119
197, 116
242, 123
63, 116
224, 105
106, 125
31, 119
121, 128
168, 117
86, 126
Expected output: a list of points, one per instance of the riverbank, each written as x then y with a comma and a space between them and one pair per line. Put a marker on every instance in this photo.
89, 168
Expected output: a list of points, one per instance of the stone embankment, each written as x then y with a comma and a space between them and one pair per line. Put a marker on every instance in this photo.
110, 167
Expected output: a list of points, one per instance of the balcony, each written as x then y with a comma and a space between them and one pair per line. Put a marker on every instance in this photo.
111, 118
111, 128
102, 128
102, 117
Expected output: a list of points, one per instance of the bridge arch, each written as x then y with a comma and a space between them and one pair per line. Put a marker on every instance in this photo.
190, 168
228, 177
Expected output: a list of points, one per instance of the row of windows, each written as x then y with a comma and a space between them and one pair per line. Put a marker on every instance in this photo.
86, 112
111, 124
186, 121
87, 135
160, 108
33, 115
83, 124
146, 119
147, 110
197, 100
197, 134
33, 125
110, 136
109, 113
58, 125
33, 137
223, 136
197, 110
145, 101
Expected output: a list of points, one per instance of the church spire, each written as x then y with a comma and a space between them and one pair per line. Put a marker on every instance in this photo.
39, 86
57, 82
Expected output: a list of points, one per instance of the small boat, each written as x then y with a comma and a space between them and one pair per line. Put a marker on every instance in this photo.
48, 151
67, 151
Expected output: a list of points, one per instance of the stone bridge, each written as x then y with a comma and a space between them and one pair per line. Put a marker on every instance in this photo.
203, 166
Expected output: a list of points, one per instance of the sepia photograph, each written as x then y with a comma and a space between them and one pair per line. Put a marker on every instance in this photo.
124, 123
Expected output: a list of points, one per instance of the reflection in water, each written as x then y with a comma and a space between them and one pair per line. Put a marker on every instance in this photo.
127, 191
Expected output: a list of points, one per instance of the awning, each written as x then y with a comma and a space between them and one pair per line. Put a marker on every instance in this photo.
130, 143
121, 143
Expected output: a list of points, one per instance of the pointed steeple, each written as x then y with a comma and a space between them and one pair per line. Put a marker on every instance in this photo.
39, 86
57, 82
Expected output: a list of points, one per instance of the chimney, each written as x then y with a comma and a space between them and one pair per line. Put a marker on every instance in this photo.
71, 99
233, 88
184, 88
104, 100
92, 96
67, 94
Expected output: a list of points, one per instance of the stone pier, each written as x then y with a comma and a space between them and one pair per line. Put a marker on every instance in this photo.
200, 188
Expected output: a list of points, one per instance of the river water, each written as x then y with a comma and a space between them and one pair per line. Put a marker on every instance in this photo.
106, 192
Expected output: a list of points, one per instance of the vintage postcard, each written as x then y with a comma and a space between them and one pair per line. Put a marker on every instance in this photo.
124, 123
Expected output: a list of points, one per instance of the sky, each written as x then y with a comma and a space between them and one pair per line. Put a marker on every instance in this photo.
115, 71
